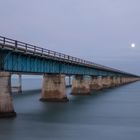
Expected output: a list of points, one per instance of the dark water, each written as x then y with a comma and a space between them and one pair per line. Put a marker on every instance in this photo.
106, 115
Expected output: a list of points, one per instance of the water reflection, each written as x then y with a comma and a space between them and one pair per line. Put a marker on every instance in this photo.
107, 114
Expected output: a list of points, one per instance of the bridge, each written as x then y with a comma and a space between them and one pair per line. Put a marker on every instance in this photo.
23, 58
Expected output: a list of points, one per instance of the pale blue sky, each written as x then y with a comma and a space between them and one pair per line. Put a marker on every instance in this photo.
97, 30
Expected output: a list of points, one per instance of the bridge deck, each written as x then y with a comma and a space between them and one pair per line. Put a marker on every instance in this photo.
17, 47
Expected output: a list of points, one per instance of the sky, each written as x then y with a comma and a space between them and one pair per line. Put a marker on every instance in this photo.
96, 30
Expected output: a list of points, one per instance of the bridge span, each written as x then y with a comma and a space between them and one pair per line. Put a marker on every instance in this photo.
23, 58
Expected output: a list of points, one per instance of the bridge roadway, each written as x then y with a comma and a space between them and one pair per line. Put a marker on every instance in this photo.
23, 58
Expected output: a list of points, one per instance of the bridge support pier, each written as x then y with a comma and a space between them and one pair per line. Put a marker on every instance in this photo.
6, 104
96, 83
54, 89
80, 85
123, 80
106, 81
118, 81
113, 81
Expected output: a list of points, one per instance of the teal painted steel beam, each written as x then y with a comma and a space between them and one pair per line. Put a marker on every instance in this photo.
26, 63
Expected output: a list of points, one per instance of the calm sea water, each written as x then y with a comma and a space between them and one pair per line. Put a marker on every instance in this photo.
112, 114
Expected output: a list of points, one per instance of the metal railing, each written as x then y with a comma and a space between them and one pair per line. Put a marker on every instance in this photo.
35, 50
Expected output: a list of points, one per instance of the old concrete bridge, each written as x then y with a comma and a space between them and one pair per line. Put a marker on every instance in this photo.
22, 58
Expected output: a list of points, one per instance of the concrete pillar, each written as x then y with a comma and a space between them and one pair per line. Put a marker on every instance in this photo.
54, 88
123, 80
93, 82
119, 78
96, 83
113, 81
6, 103
126, 80
106, 81
118, 81
80, 85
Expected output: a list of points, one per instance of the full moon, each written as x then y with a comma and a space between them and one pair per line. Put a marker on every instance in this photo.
133, 45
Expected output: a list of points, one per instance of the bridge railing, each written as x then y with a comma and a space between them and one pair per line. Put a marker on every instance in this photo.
35, 50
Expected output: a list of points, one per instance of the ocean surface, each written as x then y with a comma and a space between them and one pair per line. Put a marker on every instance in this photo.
111, 114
